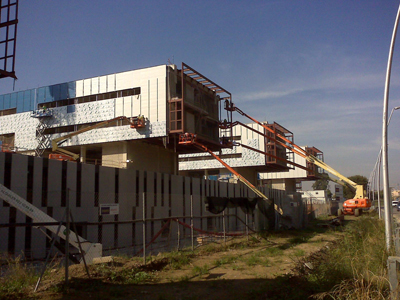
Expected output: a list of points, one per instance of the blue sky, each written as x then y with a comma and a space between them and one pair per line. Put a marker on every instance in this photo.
315, 67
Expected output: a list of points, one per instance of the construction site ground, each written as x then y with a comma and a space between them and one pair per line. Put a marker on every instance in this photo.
258, 267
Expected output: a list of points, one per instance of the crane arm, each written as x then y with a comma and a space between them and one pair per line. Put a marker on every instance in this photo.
55, 143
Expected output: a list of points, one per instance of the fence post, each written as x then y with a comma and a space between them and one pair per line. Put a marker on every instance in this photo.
144, 229
67, 237
247, 227
224, 227
179, 235
397, 239
393, 267
191, 221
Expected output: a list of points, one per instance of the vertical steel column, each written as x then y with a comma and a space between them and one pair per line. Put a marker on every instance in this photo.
191, 221
144, 229
67, 238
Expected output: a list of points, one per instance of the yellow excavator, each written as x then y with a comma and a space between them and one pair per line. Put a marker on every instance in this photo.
65, 155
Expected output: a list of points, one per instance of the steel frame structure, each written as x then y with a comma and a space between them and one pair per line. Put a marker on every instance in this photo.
8, 37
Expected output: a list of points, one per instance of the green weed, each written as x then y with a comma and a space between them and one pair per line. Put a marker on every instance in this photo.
18, 281
199, 271
225, 260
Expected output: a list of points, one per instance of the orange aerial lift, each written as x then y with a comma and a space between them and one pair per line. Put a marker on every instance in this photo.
65, 155
351, 206
190, 138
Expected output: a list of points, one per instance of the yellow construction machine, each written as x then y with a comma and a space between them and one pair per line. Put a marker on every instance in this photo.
65, 155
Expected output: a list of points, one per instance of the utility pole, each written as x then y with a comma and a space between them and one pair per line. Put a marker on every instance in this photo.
385, 169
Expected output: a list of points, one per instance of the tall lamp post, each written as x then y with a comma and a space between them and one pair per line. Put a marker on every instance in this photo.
376, 173
388, 215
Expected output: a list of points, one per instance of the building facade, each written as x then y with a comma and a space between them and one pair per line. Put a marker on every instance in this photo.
172, 101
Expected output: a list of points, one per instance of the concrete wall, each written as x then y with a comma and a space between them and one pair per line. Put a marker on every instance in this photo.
49, 184
145, 156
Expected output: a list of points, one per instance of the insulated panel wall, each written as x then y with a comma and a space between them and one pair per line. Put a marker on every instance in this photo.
88, 186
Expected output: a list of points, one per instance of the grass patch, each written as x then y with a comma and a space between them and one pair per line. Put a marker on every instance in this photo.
225, 260
179, 259
355, 267
19, 280
299, 253
122, 276
199, 271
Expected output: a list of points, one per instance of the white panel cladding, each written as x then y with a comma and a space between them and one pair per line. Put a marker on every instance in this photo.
248, 158
127, 80
119, 107
84, 113
102, 84
151, 103
24, 127
87, 87
130, 182
127, 106
111, 83
295, 173
95, 85
79, 88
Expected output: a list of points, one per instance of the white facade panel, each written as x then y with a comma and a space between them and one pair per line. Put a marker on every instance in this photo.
127, 106
103, 84
79, 88
151, 102
111, 83
249, 157
87, 87
95, 85
136, 105
119, 107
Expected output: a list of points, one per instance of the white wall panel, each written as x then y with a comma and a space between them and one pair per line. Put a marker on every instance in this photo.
87, 87
111, 83
151, 103
79, 88
103, 84
130, 182
95, 85
127, 106
119, 107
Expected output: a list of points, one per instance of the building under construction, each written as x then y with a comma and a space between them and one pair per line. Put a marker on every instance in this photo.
119, 137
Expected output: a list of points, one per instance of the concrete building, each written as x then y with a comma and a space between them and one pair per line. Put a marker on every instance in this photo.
252, 152
136, 168
301, 171
172, 101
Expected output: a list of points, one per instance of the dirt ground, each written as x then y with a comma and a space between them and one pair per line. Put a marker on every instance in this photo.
255, 268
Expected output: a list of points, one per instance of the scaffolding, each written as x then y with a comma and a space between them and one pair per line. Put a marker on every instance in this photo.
44, 116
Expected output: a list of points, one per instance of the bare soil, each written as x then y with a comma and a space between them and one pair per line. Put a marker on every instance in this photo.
254, 268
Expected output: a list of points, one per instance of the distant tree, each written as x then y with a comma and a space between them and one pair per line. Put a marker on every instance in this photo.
359, 179
322, 184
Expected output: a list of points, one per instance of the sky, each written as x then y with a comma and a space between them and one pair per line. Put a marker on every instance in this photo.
315, 67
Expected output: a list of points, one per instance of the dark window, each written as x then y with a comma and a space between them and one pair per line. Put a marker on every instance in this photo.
70, 108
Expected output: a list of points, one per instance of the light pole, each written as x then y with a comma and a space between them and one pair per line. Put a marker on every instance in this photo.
388, 215
376, 173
